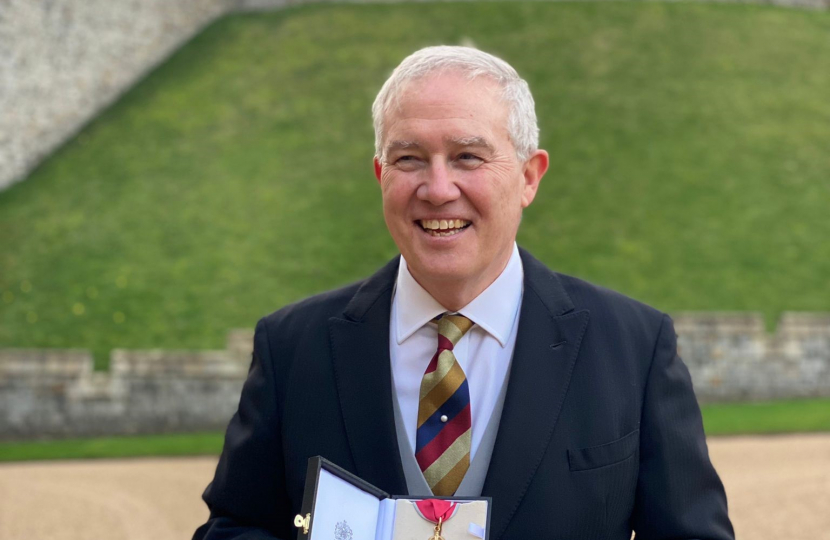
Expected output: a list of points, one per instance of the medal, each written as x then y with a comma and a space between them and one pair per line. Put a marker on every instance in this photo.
436, 511
437, 534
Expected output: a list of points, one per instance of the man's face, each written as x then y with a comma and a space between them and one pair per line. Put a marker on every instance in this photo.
453, 189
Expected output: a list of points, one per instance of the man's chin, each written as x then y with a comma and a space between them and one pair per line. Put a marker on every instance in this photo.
439, 269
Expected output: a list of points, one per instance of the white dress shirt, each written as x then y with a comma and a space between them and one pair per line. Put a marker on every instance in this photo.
484, 352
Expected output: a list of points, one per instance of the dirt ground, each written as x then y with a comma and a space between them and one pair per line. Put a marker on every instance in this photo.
778, 487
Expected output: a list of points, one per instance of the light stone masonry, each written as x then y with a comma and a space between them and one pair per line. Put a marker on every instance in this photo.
63, 61
731, 357
56, 393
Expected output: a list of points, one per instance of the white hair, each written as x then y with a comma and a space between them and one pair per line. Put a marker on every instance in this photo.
521, 124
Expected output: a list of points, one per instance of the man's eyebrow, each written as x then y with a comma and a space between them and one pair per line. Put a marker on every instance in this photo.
454, 141
471, 141
401, 145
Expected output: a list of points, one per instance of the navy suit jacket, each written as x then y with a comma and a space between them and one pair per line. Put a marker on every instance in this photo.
600, 432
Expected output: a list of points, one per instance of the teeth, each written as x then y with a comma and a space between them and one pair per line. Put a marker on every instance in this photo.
444, 233
444, 224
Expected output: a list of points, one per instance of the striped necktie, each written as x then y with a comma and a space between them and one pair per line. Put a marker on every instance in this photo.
442, 446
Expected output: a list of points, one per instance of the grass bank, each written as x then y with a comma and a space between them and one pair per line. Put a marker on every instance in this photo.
688, 148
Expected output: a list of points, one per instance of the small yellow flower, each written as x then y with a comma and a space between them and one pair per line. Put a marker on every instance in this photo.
78, 308
118, 317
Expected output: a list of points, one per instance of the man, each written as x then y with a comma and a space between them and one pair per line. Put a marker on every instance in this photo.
564, 402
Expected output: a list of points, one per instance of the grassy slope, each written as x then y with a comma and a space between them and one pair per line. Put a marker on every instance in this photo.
688, 143
722, 419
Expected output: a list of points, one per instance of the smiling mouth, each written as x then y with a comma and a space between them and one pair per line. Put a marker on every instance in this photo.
443, 227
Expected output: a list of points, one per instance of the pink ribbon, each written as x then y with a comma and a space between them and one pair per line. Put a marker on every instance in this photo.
432, 509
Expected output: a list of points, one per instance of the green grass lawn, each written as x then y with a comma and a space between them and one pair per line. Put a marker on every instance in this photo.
721, 419
689, 167
185, 444
767, 417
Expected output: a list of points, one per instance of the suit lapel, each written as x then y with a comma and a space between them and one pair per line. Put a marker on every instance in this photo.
547, 345
360, 353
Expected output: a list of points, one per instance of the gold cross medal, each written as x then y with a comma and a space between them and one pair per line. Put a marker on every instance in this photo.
437, 534
436, 511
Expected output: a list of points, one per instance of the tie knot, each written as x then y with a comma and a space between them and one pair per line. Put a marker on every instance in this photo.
453, 327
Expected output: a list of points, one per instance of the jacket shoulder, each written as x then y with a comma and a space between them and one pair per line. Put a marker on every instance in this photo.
614, 311
590, 295
315, 309
562, 293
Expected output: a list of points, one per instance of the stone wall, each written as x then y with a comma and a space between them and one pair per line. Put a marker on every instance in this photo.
732, 358
54, 393
63, 61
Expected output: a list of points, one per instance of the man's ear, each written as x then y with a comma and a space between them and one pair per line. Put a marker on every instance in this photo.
534, 169
378, 168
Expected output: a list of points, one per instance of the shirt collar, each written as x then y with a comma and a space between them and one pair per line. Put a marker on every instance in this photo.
494, 310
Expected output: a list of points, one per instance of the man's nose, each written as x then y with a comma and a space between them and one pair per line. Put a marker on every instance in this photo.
438, 186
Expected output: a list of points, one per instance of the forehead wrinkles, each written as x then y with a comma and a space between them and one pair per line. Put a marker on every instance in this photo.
461, 107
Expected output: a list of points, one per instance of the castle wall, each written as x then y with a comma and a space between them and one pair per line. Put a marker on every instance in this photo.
731, 357
63, 61
56, 393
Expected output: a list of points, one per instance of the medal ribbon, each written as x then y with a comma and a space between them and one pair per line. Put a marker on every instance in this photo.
433, 509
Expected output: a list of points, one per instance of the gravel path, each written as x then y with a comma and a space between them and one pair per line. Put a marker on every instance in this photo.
778, 487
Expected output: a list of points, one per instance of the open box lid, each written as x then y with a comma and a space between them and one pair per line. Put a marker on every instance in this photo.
329, 486
337, 505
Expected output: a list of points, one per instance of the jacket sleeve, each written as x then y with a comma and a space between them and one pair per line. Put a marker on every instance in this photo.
247, 498
679, 494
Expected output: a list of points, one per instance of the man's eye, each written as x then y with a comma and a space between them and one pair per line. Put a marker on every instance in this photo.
407, 163
468, 159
